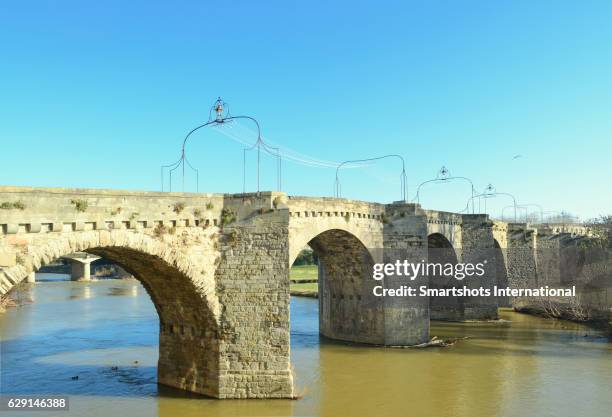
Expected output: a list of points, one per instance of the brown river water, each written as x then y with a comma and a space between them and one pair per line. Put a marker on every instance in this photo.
523, 366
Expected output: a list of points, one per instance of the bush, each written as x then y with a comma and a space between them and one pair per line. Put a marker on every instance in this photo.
306, 257
18, 205
179, 207
79, 204
227, 216
160, 230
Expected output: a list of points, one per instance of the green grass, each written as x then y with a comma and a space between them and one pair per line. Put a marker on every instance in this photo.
303, 272
300, 273
310, 286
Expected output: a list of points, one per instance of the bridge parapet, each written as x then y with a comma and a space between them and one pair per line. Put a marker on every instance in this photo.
446, 224
575, 230
311, 216
43, 210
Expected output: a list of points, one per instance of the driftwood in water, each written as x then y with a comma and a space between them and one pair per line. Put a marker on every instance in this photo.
434, 342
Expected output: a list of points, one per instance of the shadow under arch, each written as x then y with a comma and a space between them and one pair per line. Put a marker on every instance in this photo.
348, 310
188, 313
501, 273
440, 253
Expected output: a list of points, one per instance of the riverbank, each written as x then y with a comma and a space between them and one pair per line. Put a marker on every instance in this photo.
19, 296
597, 319
304, 281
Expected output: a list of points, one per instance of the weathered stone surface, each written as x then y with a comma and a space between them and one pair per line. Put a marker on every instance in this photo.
217, 270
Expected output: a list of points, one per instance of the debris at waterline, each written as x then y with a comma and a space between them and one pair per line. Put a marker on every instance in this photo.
434, 342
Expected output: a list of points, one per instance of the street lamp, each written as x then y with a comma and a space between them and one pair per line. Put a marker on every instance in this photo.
552, 212
221, 116
490, 192
338, 188
444, 175
259, 145
518, 207
539, 208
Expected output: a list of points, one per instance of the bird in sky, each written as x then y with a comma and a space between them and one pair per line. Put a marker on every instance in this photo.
516, 157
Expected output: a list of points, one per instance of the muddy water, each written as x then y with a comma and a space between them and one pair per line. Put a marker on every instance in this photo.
525, 367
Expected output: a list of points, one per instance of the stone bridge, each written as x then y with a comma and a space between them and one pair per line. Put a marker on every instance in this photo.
216, 267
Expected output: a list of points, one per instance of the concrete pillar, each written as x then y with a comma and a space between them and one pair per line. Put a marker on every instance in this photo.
81, 265
81, 270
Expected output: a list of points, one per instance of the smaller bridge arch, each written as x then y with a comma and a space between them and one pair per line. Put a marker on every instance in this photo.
501, 271
347, 307
440, 254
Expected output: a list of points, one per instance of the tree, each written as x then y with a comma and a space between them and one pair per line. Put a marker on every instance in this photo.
306, 257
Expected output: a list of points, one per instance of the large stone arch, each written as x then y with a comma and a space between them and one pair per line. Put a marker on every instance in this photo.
347, 308
298, 238
441, 252
183, 295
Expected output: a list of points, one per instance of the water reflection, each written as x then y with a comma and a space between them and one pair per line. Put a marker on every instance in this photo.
105, 333
81, 291
122, 291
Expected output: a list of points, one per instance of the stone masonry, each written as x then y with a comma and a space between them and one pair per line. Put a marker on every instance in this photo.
216, 267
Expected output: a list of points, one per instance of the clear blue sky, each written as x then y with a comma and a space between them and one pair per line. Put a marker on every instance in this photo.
100, 94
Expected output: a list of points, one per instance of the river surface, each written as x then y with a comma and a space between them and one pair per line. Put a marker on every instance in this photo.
526, 366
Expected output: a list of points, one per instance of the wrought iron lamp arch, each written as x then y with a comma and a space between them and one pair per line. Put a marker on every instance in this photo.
445, 175
490, 192
219, 114
338, 187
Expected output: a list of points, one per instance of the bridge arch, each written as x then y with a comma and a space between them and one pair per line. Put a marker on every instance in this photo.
348, 310
440, 251
303, 237
501, 272
183, 297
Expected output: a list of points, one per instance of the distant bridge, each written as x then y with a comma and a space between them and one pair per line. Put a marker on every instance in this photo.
217, 269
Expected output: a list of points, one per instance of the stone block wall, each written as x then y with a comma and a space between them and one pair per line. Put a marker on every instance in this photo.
405, 237
521, 259
217, 269
253, 288
215, 266
477, 246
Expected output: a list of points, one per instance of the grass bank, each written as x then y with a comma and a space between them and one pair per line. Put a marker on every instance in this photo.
304, 281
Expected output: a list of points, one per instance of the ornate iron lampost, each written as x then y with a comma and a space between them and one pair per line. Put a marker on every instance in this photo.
539, 207
520, 207
221, 116
444, 175
490, 192
552, 212
338, 187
